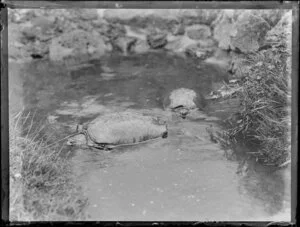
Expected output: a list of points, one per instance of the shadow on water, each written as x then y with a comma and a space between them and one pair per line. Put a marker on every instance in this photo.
183, 177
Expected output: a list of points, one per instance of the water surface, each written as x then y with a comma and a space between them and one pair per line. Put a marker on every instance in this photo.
182, 177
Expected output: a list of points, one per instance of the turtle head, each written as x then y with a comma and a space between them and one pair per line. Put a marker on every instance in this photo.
182, 111
77, 140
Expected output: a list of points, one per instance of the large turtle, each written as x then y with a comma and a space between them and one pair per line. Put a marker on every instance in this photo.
118, 129
182, 101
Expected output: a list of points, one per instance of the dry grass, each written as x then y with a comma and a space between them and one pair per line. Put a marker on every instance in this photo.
41, 183
262, 121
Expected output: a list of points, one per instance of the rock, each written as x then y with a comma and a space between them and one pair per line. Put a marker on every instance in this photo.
19, 15
272, 16
141, 46
198, 16
128, 15
124, 44
220, 58
224, 28
29, 33
281, 35
198, 31
77, 44
207, 43
282, 32
157, 40
39, 29
251, 30
178, 29
88, 14
113, 31
240, 30
196, 51
179, 43
39, 49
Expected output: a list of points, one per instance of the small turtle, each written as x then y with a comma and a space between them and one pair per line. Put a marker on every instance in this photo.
119, 129
182, 101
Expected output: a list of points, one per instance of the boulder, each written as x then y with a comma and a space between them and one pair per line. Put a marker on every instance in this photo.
198, 31
250, 32
157, 39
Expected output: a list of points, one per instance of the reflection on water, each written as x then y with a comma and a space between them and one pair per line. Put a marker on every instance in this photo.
183, 177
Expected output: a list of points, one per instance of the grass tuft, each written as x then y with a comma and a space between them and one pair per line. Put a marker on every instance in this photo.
42, 186
262, 120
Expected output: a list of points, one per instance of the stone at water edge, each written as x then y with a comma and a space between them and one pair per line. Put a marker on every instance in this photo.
157, 40
250, 32
124, 44
141, 46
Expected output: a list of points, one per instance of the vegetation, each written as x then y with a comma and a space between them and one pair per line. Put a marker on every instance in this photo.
41, 184
262, 121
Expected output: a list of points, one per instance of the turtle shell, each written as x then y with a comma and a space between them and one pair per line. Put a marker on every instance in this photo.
125, 128
182, 97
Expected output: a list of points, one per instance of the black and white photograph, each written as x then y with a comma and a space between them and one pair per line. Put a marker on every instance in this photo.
150, 113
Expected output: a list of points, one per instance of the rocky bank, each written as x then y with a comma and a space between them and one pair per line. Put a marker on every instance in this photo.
75, 36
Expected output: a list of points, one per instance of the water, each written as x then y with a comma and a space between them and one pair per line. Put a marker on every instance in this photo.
183, 177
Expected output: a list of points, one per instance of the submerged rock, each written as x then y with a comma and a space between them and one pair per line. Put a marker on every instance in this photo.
196, 51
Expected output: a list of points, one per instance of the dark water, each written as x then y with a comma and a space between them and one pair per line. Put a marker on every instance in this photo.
183, 177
